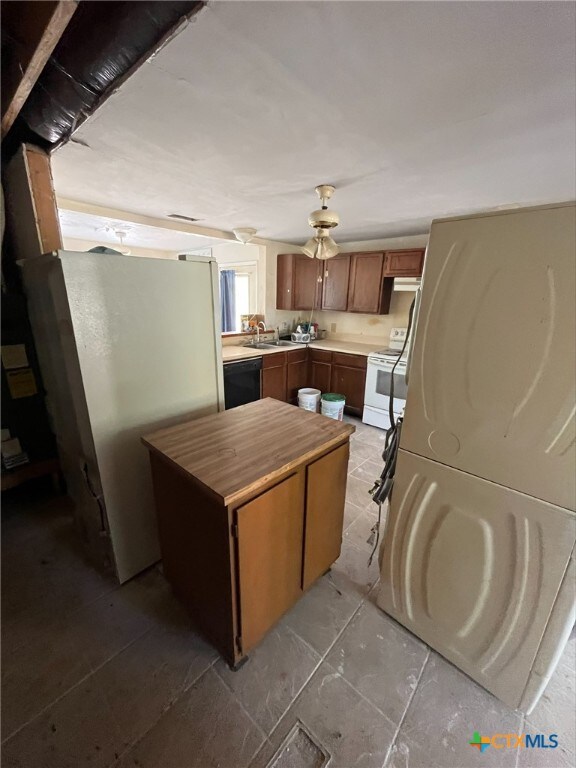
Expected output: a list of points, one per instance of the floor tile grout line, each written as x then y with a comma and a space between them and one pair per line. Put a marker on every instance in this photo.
240, 704
321, 661
522, 725
67, 615
166, 709
406, 708
360, 694
82, 680
305, 683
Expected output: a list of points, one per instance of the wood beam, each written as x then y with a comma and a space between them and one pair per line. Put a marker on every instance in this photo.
31, 31
31, 213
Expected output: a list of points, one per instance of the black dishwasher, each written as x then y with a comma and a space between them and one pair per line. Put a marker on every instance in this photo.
242, 382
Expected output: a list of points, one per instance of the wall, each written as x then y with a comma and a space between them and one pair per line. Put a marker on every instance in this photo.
349, 325
71, 244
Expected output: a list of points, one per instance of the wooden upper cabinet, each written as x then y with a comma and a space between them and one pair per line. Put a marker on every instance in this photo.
336, 276
368, 291
307, 282
406, 263
284, 281
349, 282
298, 281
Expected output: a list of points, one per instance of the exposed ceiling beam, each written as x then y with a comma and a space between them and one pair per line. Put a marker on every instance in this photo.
137, 218
31, 31
65, 204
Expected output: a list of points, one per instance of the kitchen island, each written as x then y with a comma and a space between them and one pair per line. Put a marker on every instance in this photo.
250, 505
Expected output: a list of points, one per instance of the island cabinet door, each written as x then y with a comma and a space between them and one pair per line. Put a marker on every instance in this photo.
325, 499
269, 558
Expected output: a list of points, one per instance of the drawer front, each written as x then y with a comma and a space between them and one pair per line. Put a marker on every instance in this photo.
352, 361
276, 360
297, 355
320, 356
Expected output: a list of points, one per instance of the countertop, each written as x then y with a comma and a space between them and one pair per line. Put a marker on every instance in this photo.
350, 347
236, 352
233, 453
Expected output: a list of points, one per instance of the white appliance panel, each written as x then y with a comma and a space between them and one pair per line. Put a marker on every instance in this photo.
492, 386
139, 347
377, 417
474, 569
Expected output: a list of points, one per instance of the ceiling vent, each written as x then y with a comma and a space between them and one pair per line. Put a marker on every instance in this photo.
181, 217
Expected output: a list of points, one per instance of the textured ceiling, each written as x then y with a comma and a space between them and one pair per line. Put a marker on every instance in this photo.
413, 110
102, 229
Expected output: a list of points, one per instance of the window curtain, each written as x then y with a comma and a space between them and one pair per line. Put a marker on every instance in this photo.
228, 299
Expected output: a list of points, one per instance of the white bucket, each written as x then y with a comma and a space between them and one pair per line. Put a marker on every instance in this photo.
333, 406
308, 399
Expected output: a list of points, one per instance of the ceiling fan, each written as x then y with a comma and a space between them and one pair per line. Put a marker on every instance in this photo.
322, 246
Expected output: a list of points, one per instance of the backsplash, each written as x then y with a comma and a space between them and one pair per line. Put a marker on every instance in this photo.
351, 326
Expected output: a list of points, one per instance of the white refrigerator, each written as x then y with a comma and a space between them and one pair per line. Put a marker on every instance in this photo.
477, 558
126, 345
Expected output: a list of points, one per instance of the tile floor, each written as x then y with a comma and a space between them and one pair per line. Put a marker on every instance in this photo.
97, 675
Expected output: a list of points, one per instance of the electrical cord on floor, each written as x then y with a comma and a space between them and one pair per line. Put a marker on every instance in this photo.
383, 485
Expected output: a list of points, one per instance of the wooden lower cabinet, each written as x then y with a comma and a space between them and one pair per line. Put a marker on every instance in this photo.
320, 367
283, 374
269, 530
326, 488
273, 381
342, 373
320, 374
239, 568
296, 374
349, 379
350, 382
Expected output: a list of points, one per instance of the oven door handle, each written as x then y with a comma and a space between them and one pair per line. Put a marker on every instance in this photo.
372, 361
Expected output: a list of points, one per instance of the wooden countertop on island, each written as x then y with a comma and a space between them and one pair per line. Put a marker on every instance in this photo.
234, 452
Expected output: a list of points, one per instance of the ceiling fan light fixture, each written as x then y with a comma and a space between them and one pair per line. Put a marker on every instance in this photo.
309, 249
323, 220
327, 248
244, 234
121, 234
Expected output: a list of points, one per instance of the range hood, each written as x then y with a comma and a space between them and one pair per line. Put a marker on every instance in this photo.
406, 283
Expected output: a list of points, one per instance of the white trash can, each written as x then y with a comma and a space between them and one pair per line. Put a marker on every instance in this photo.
309, 399
333, 405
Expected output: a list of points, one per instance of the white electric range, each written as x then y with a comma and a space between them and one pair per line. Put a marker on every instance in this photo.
379, 379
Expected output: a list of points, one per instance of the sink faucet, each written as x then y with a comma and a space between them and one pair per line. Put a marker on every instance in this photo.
261, 323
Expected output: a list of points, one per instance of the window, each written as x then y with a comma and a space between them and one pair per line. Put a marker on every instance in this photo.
245, 292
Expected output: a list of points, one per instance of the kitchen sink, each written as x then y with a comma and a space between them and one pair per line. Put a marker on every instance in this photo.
273, 344
261, 345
